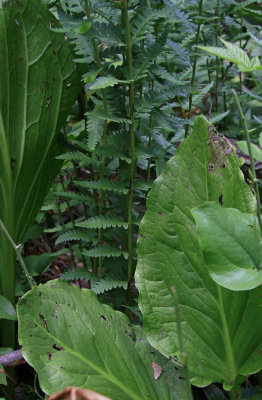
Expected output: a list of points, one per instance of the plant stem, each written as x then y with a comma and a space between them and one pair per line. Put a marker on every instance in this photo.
217, 59
256, 83
194, 68
207, 62
132, 143
235, 393
260, 379
150, 138
30, 280
252, 164
218, 88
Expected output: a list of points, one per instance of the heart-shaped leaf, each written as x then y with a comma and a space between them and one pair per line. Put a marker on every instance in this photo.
72, 339
221, 328
230, 241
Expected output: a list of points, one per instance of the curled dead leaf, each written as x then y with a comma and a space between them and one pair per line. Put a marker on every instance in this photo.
73, 393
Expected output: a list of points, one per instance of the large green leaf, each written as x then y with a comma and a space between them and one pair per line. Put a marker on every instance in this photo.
221, 329
231, 244
72, 339
38, 86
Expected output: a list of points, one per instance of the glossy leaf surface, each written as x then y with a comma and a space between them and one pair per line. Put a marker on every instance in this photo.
72, 339
230, 241
221, 328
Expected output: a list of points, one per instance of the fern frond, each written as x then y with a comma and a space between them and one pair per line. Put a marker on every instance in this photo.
100, 114
94, 128
108, 35
147, 56
244, 4
103, 185
77, 128
142, 23
75, 156
79, 273
197, 98
60, 228
105, 9
82, 145
182, 54
256, 39
162, 73
71, 7
74, 196
105, 250
105, 81
106, 221
142, 185
218, 117
104, 285
73, 235
145, 152
112, 152
152, 99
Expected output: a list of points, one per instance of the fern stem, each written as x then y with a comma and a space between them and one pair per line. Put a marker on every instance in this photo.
150, 137
224, 94
217, 59
240, 72
252, 164
207, 61
256, 83
105, 132
194, 67
132, 143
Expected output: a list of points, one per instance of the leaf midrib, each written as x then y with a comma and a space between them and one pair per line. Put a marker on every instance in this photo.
109, 377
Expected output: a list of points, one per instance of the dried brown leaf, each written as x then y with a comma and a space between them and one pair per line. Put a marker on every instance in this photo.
73, 393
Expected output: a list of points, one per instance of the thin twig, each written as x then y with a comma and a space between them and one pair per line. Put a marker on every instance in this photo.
194, 67
132, 141
30, 280
252, 164
12, 358
218, 89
